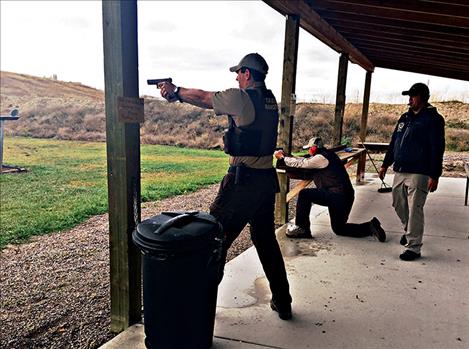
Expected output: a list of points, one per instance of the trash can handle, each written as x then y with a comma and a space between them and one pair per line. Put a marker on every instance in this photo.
173, 221
182, 219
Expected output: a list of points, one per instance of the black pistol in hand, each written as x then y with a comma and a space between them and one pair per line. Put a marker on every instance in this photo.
158, 81
171, 96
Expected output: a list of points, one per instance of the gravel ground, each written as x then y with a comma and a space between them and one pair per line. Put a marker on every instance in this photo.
55, 289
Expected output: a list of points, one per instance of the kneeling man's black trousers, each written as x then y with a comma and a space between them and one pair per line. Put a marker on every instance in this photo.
339, 206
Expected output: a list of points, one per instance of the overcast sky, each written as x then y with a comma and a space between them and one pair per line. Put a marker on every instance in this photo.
194, 42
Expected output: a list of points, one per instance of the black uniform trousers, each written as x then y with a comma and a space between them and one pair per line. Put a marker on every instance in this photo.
339, 205
250, 198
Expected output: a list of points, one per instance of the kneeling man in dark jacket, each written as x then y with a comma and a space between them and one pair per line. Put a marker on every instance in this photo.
333, 189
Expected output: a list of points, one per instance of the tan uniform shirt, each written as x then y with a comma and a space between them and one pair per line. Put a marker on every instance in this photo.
237, 104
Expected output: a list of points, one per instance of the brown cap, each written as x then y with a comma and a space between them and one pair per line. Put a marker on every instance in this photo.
418, 89
252, 61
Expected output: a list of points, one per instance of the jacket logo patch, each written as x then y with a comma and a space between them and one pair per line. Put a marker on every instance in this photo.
270, 104
400, 126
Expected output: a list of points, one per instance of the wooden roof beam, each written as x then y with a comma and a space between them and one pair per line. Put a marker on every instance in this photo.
373, 51
461, 20
380, 30
421, 52
372, 36
315, 25
378, 53
438, 65
443, 8
462, 51
423, 69
346, 18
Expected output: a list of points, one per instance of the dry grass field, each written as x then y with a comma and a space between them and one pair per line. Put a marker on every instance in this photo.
67, 110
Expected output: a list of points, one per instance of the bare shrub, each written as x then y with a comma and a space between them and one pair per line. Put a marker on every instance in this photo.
64, 133
51, 108
94, 122
457, 140
90, 136
312, 120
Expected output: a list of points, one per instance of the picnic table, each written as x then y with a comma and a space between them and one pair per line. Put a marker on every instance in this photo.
355, 155
374, 146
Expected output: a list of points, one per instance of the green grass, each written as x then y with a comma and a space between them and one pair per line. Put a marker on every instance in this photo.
66, 182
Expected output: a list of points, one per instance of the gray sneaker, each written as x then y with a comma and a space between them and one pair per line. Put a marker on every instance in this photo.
377, 231
295, 232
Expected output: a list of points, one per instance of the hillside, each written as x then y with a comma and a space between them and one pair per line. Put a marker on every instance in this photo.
67, 110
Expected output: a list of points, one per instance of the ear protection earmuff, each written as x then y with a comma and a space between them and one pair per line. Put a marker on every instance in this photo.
312, 150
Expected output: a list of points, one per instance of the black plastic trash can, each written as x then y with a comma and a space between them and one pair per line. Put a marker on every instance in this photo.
181, 270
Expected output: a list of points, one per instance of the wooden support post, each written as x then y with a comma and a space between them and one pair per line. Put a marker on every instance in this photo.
366, 104
363, 126
340, 99
361, 168
287, 109
123, 161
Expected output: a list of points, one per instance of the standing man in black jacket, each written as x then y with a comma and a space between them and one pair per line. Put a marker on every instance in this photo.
247, 192
416, 149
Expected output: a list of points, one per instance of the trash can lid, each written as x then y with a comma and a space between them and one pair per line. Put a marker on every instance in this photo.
177, 230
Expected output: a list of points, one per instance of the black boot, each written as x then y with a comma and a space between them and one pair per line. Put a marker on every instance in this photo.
283, 310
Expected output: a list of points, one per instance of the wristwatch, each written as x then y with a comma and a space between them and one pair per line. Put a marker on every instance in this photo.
176, 93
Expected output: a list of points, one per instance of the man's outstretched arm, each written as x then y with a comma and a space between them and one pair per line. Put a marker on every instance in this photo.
196, 97
199, 98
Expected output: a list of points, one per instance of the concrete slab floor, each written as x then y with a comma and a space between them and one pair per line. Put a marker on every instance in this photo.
133, 338
354, 293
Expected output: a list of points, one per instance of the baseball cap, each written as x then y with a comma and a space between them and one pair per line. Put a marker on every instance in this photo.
418, 89
252, 61
317, 141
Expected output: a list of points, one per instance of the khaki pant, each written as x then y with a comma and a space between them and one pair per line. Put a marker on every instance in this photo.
409, 193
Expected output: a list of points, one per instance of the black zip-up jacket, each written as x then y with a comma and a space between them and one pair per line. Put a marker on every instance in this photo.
418, 143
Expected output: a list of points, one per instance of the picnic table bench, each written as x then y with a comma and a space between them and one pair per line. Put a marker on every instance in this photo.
356, 155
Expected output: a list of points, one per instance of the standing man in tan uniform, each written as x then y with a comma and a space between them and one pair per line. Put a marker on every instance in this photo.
247, 192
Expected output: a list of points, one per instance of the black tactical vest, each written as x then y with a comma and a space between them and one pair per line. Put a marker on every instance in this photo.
260, 137
334, 177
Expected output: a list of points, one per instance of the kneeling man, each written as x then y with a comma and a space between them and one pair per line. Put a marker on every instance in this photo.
333, 189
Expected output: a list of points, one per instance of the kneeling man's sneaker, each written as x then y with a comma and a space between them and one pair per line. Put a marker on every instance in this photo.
283, 310
409, 255
296, 232
377, 231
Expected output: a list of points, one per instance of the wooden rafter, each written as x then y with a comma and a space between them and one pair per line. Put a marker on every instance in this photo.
412, 11
421, 36
314, 24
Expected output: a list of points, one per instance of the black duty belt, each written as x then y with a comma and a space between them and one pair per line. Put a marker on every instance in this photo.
242, 171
